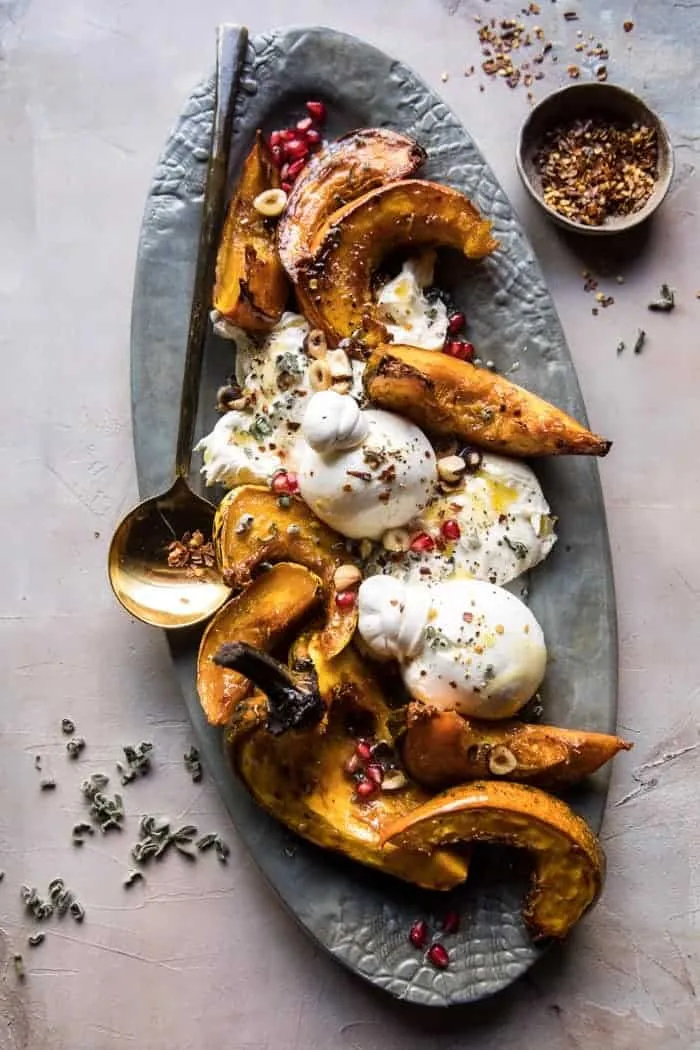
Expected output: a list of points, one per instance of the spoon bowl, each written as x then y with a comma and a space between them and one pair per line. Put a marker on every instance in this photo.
143, 581
148, 587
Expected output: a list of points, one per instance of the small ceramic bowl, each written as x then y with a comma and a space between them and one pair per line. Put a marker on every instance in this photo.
583, 100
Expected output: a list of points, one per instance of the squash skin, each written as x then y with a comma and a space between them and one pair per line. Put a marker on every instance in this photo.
251, 287
453, 398
569, 863
267, 609
334, 284
268, 539
343, 171
300, 779
443, 749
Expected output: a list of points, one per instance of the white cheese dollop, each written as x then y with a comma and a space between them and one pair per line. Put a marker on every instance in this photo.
505, 527
462, 645
410, 317
363, 472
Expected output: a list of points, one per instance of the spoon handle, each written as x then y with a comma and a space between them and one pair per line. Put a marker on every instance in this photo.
230, 50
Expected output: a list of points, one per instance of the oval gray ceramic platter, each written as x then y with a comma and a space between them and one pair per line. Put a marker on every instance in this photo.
357, 915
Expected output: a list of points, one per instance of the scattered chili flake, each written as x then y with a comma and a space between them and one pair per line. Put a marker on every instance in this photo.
593, 168
191, 552
571, 16
628, 26
574, 72
620, 346
639, 341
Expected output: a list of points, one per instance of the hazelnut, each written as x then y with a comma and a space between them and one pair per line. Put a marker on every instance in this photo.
502, 761
270, 203
320, 376
450, 469
346, 576
396, 540
315, 343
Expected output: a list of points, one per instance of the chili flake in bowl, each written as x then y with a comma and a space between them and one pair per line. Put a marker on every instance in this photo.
595, 157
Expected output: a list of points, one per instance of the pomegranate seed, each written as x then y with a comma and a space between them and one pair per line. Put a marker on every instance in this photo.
317, 110
276, 155
375, 773
284, 484
352, 765
287, 135
284, 173
459, 349
437, 955
450, 529
275, 138
287, 187
313, 138
365, 788
305, 124
422, 543
450, 924
456, 323
296, 149
296, 167
363, 750
418, 934
345, 600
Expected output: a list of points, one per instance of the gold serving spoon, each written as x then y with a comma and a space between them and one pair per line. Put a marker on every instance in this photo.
189, 591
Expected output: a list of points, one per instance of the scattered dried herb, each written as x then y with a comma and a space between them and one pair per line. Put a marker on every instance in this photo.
639, 341
193, 764
620, 347
80, 830
138, 761
133, 877
519, 549
48, 784
2, 875
18, 963
157, 838
593, 168
108, 812
41, 909
192, 552
68, 726
35, 939
37, 761
665, 302
75, 746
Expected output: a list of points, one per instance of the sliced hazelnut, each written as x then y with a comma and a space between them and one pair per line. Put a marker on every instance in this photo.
270, 203
396, 540
502, 761
346, 576
394, 780
450, 469
315, 343
320, 376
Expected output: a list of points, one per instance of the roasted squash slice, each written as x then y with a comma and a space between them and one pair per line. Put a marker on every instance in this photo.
268, 608
334, 285
251, 527
251, 287
300, 778
453, 398
569, 864
441, 749
342, 172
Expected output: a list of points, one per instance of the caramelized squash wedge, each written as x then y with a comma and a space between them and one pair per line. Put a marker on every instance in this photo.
251, 527
251, 287
262, 615
343, 171
569, 863
300, 778
334, 285
453, 398
442, 749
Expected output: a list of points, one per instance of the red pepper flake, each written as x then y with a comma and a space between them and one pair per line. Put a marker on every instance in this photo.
467, 617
